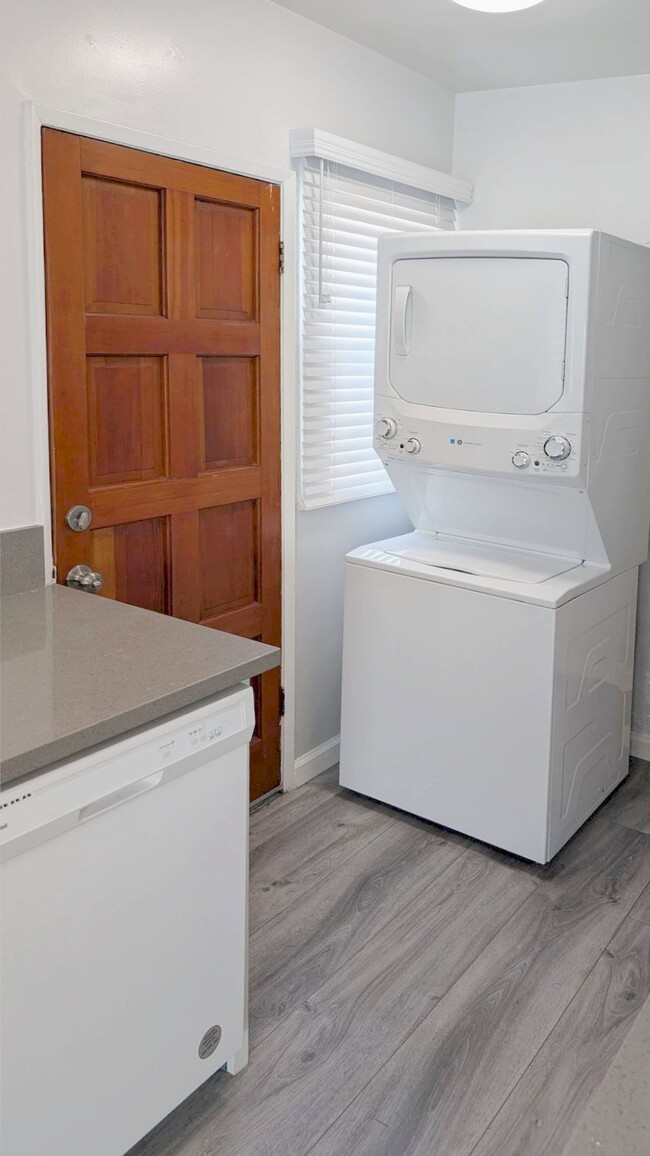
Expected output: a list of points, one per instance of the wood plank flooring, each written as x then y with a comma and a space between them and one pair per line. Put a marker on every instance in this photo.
414, 992
616, 1120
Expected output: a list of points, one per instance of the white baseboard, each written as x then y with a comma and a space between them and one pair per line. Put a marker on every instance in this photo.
321, 758
640, 746
316, 761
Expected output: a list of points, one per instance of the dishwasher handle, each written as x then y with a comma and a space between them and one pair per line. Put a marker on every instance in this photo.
121, 795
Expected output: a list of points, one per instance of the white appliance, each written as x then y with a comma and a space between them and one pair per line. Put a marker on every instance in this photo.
124, 891
488, 656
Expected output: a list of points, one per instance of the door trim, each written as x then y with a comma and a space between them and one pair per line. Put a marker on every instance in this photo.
40, 116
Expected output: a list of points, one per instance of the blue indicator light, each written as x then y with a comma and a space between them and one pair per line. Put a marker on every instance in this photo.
452, 441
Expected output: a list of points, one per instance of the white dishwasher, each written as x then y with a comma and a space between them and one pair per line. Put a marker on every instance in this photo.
124, 924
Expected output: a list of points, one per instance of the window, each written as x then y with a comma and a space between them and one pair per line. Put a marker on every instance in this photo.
344, 211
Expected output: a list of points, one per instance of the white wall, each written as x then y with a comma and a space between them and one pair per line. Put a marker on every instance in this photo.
564, 155
234, 76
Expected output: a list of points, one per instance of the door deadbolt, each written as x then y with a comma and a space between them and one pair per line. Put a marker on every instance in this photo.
78, 518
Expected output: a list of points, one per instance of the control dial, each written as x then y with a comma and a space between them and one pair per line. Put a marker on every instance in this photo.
521, 460
386, 428
557, 448
413, 446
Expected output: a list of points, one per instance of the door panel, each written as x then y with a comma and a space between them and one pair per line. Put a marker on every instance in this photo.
122, 229
126, 419
226, 261
230, 394
229, 544
134, 561
162, 290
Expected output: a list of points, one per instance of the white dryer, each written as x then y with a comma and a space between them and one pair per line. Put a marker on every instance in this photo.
488, 656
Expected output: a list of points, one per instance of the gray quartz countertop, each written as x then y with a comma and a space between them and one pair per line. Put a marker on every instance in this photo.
78, 670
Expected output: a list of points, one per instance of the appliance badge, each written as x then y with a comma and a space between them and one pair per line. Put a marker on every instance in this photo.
210, 1041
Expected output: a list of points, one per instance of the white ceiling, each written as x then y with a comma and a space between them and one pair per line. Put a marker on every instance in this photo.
465, 50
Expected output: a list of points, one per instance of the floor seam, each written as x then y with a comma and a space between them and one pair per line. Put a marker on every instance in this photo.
637, 919
631, 827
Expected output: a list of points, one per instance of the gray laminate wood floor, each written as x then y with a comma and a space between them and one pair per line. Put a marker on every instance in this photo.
414, 993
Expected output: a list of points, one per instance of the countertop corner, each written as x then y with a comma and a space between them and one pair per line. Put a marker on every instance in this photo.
78, 670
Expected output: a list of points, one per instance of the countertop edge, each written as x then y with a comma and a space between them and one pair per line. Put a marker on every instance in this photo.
26, 764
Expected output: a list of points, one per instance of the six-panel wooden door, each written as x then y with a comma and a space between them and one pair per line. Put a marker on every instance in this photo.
162, 288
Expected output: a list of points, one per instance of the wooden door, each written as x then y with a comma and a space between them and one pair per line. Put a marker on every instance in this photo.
162, 288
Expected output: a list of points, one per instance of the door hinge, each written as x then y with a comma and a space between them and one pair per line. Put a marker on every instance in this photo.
282, 702
281, 260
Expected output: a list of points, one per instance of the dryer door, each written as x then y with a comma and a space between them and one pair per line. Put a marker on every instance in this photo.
485, 334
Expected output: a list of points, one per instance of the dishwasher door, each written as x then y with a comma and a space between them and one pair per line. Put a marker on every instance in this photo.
124, 893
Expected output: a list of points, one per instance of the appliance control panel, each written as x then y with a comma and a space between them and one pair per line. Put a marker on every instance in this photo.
108, 773
552, 451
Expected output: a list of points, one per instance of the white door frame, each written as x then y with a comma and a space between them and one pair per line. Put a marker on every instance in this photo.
37, 117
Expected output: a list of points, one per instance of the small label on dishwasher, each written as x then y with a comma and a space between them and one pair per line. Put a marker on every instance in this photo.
166, 749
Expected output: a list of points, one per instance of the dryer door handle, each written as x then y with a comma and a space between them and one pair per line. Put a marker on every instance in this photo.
402, 320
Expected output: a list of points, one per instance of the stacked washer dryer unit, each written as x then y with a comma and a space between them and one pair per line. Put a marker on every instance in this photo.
488, 655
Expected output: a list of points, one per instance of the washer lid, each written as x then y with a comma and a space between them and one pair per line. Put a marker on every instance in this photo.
468, 557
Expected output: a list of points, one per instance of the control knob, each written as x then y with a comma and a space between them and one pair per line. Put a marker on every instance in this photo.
413, 446
521, 460
386, 427
557, 448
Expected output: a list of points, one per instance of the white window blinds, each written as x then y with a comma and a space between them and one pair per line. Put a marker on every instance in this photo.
343, 214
